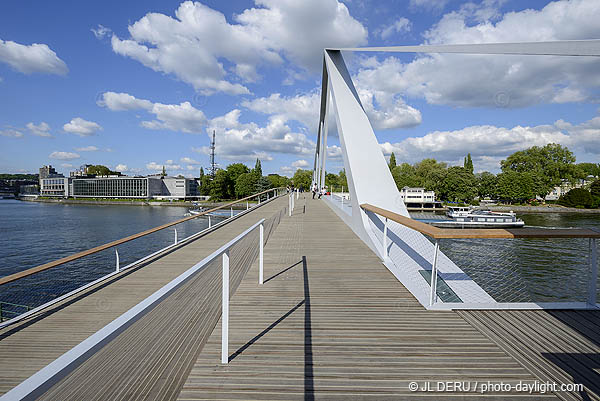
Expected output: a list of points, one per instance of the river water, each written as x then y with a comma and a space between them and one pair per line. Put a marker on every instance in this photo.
34, 233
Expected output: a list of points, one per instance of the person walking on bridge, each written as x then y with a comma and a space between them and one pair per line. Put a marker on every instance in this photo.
314, 189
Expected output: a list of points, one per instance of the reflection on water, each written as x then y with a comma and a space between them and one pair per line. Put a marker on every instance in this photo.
35, 233
529, 270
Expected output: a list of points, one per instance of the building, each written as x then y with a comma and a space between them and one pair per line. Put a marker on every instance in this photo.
419, 198
48, 172
178, 188
114, 187
54, 187
82, 172
566, 186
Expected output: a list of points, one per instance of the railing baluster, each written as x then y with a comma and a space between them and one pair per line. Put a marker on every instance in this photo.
260, 254
209, 223
593, 279
433, 294
117, 263
385, 235
175, 235
231, 211
225, 311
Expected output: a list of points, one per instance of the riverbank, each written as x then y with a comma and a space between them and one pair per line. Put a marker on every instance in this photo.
188, 205
543, 209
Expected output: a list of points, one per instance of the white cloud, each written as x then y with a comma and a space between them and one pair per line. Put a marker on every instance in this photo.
303, 108
429, 5
497, 81
248, 141
195, 45
158, 167
66, 165
183, 117
189, 160
12, 133
42, 129
123, 101
32, 58
100, 32
121, 168
489, 144
64, 155
401, 25
174, 117
300, 163
90, 148
82, 127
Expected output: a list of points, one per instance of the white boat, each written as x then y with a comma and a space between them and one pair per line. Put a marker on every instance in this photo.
466, 217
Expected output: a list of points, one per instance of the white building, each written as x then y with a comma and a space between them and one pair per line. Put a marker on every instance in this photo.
416, 195
566, 186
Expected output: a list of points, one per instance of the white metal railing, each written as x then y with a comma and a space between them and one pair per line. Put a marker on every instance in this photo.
119, 269
591, 302
41, 381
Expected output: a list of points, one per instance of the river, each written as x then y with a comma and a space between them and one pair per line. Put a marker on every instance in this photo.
33, 233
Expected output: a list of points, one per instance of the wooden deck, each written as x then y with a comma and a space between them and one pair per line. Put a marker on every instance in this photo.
330, 322
30, 345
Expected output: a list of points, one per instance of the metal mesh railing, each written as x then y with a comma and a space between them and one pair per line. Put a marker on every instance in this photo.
524, 270
35, 290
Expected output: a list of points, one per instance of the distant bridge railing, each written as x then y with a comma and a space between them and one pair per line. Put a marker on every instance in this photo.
476, 262
7, 313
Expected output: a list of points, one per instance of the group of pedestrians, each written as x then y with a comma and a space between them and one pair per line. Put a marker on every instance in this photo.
315, 190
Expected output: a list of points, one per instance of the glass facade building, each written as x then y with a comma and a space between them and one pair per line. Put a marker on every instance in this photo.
111, 187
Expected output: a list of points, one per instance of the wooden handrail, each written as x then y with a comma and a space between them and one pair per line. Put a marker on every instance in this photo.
79, 255
438, 233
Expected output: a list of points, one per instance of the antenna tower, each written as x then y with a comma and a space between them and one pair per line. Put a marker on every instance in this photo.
213, 165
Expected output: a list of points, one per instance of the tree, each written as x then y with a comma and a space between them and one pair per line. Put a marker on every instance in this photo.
258, 168
245, 184
278, 181
404, 176
220, 185
549, 163
342, 180
164, 172
468, 163
577, 197
201, 174
392, 161
588, 169
332, 181
458, 185
430, 173
302, 179
234, 171
595, 189
100, 170
486, 184
514, 186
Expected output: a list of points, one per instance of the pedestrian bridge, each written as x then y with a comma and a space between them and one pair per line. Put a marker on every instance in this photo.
330, 321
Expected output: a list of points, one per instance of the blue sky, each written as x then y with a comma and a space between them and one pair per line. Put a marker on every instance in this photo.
139, 85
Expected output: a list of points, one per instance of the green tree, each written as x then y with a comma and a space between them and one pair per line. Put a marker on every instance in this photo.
220, 185
577, 197
245, 184
302, 179
458, 185
549, 164
486, 184
278, 181
514, 186
100, 170
164, 172
405, 176
595, 189
430, 173
392, 161
258, 168
588, 169
468, 163
234, 171
201, 174
342, 180
332, 181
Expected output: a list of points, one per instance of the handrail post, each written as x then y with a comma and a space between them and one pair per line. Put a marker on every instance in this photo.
225, 311
209, 224
261, 254
297, 193
231, 211
290, 205
247, 205
385, 230
433, 281
117, 256
593, 280
175, 235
